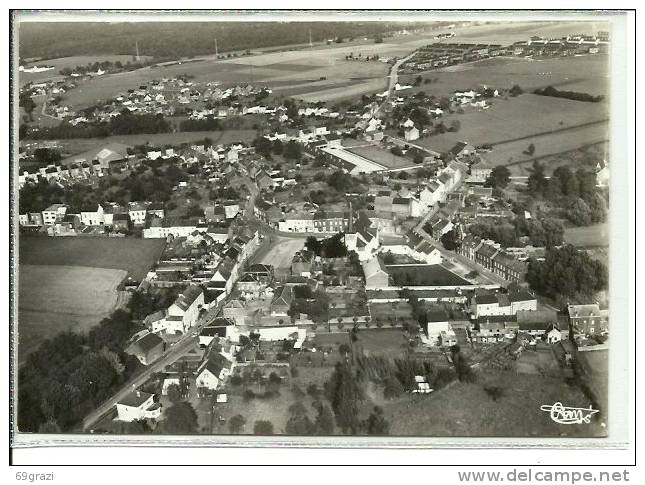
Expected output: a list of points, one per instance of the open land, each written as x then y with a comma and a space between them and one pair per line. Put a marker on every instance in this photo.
282, 252
135, 256
540, 115
425, 275
465, 409
67, 62
588, 236
79, 145
381, 156
53, 299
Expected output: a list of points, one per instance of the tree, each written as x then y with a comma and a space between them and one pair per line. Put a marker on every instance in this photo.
499, 177
263, 428
345, 393
455, 125
324, 424
312, 244
180, 418
537, 182
28, 104
393, 388
516, 90
418, 158
579, 213
277, 147
174, 393
450, 241
292, 150
299, 423
376, 423
396, 150
236, 423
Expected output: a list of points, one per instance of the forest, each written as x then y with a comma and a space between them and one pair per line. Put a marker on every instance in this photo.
172, 40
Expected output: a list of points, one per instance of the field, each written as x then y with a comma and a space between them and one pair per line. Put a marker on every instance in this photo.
465, 409
539, 114
588, 73
52, 299
424, 275
589, 236
79, 145
385, 342
282, 251
381, 156
71, 62
135, 256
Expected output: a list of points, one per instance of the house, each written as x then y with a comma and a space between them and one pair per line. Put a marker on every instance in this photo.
137, 405
137, 212
220, 327
502, 304
146, 348
411, 133
120, 222
375, 273
184, 312
302, 263
54, 213
537, 323
213, 370
479, 172
361, 237
250, 283
281, 302
437, 324
92, 215
234, 310
586, 320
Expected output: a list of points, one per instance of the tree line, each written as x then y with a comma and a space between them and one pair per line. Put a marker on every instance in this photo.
572, 95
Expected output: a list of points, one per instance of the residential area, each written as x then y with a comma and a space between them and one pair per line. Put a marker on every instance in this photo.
274, 265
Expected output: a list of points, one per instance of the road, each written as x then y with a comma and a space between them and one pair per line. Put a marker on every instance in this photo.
171, 355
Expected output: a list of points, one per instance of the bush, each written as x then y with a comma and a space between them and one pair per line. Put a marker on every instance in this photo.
248, 395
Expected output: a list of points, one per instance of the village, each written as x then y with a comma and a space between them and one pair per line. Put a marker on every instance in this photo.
333, 236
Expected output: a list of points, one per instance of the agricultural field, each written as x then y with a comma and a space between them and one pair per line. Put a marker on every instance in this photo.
540, 115
589, 236
382, 156
70, 62
586, 73
424, 275
466, 409
74, 146
53, 299
134, 256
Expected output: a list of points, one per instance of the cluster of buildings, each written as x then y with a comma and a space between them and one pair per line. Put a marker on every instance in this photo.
446, 54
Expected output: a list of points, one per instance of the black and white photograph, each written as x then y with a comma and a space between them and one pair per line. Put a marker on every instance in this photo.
276, 226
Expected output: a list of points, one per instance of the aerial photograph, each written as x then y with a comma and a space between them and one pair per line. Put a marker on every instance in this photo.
304, 227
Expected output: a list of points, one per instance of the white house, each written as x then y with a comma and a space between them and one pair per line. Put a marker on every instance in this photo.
137, 405
137, 212
181, 315
92, 216
213, 370
54, 213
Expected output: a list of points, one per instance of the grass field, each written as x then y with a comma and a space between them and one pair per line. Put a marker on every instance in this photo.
467, 410
581, 73
385, 342
135, 256
382, 156
282, 251
425, 275
52, 299
71, 62
79, 145
589, 236
539, 114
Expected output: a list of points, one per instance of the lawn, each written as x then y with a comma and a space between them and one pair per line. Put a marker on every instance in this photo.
424, 275
383, 341
382, 156
53, 299
589, 236
136, 256
467, 410
541, 115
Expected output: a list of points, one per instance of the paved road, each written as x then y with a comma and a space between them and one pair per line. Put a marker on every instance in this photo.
171, 355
